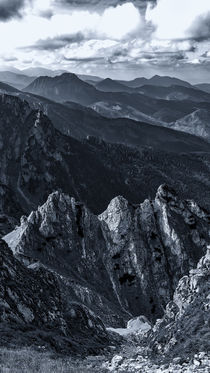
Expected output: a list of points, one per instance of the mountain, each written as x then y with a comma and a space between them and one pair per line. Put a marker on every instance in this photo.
80, 122
184, 330
141, 251
109, 85
203, 87
68, 87
36, 159
37, 310
138, 82
160, 81
196, 123
10, 210
5, 88
117, 110
94, 79
65, 87
175, 92
18, 81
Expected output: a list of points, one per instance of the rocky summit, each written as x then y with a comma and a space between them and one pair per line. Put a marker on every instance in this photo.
70, 281
140, 251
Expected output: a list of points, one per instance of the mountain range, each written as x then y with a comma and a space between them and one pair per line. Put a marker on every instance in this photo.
104, 219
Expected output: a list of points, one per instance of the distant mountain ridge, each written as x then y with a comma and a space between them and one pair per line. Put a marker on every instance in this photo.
68, 87
156, 80
19, 81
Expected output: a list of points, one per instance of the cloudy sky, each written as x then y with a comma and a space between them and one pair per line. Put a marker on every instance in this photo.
116, 38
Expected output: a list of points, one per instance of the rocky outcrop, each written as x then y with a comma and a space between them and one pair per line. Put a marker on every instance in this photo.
123, 263
184, 329
35, 298
152, 246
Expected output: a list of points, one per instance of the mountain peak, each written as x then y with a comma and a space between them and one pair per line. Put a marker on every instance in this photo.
166, 193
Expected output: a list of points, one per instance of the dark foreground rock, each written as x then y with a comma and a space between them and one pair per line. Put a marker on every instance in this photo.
36, 309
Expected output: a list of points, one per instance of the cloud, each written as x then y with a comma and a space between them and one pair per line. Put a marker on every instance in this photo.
11, 9
63, 30
173, 18
10, 59
102, 4
51, 44
200, 29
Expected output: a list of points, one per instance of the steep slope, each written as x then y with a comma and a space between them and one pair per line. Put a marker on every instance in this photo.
142, 251
10, 210
65, 87
36, 304
5, 88
184, 329
196, 123
116, 110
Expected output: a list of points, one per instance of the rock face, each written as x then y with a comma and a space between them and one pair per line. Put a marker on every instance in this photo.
10, 210
184, 329
152, 246
34, 297
130, 258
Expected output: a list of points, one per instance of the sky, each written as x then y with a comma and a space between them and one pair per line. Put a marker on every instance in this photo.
120, 39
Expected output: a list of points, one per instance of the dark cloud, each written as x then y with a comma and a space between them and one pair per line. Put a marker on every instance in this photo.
200, 29
10, 59
102, 3
85, 59
10, 9
59, 42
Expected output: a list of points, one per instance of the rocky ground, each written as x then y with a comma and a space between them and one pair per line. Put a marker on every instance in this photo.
138, 362
131, 359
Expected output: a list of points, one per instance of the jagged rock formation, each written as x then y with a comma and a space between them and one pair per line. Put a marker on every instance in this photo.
36, 299
130, 258
184, 329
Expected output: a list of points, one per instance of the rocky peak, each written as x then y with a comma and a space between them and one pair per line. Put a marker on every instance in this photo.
141, 250
117, 216
166, 194
184, 329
